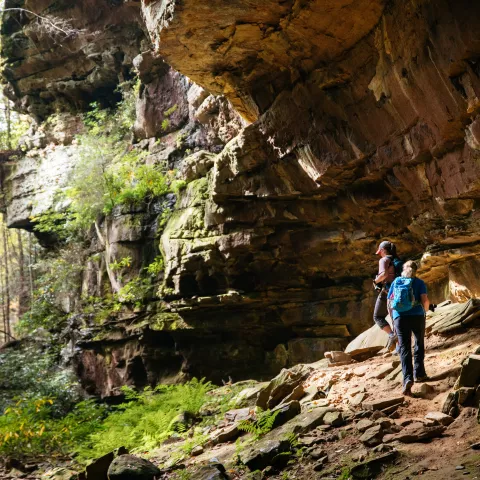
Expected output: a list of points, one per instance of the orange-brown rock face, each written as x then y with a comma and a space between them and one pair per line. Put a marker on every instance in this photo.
364, 125
250, 51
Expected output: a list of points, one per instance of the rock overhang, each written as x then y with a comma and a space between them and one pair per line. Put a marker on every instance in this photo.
250, 51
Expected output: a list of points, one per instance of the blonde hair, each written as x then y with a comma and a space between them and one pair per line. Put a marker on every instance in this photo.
409, 269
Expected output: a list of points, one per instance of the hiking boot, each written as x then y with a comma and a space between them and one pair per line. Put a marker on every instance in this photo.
422, 379
407, 389
392, 342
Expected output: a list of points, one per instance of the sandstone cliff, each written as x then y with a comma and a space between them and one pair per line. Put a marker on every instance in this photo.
360, 123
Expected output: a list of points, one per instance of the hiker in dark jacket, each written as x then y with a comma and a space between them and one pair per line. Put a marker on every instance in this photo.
386, 275
408, 303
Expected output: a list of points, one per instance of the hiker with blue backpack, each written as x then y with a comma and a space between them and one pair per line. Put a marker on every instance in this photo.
408, 303
389, 268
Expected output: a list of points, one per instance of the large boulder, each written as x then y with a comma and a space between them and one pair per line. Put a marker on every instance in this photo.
470, 374
283, 385
367, 344
129, 467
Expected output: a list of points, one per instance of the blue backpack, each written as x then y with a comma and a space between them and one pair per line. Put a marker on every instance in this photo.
403, 297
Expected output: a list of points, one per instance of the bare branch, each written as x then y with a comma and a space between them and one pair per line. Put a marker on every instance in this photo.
52, 26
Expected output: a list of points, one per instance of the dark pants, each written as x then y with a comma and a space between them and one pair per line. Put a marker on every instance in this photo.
381, 310
404, 327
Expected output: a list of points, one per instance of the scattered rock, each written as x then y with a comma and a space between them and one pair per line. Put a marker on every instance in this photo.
372, 436
239, 414
315, 404
317, 453
285, 412
198, 450
423, 390
313, 392
357, 399
309, 420
383, 403
395, 375
338, 357
371, 468
308, 441
297, 394
416, 432
129, 467
470, 374
460, 467
227, 434
475, 446
389, 410
362, 414
214, 471
335, 419
361, 371
440, 418
465, 395
282, 386
364, 425
249, 395
382, 448
320, 464
262, 453
450, 406
54, 474
383, 371
452, 317
367, 344
385, 422
281, 460
97, 469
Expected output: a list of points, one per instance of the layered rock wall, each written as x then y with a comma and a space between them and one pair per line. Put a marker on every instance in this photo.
363, 125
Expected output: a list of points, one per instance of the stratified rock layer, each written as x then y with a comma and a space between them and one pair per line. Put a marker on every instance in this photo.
365, 125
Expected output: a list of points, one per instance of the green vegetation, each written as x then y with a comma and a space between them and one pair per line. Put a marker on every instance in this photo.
263, 424
31, 373
148, 418
43, 414
40, 417
121, 264
171, 110
58, 276
156, 267
109, 173
165, 124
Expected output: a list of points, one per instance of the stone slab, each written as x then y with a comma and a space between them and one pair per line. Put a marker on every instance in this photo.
381, 404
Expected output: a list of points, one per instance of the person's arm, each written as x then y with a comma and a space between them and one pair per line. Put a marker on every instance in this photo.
383, 265
389, 301
425, 301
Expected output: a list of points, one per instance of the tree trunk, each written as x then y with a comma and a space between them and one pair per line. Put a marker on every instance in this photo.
8, 119
7, 285
2, 292
23, 291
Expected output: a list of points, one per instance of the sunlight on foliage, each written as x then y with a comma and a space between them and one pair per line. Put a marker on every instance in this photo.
147, 419
262, 425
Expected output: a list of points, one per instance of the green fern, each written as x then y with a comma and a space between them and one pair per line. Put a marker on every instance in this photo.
263, 424
145, 421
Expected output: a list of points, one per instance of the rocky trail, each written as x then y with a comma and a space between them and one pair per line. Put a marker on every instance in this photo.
338, 418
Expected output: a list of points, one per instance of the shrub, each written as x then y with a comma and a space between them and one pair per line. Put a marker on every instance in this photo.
31, 372
29, 429
59, 274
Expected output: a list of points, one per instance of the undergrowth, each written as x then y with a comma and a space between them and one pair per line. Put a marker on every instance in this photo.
147, 419
264, 423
